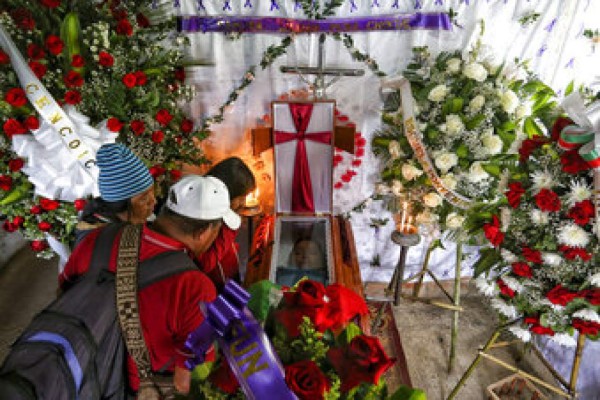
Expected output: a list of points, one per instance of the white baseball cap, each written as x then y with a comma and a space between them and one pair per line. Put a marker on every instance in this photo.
203, 198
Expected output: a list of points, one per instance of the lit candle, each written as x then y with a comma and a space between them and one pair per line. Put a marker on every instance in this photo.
403, 219
252, 199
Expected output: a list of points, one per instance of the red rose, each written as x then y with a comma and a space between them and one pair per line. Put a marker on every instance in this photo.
559, 125
306, 380
308, 300
504, 289
44, 226
9, 227
142, 21
187, 126
15, 164
582, 212
534, 256
16, 97
35, 52
547, 200
224, 378
23, 19
129, 80
542, 330
140, 78
38, 245
77, 61
571, 253
561, 296
592, 296
180, 74
35, 210
114, 125
79, 204
522, 269
32, 123
4, 58
54, 44
492, 232
156, 170
117, 13
175, 175
137, 126
363, 360
158, 136
105, 59
18, 220
72, 97
514, 193
163, 116
532, 320
124, 28
5, 182
49, 205
13, 127
586, 327
530, 145
343, 305
50, 3
573, 163
73, 79
38, 69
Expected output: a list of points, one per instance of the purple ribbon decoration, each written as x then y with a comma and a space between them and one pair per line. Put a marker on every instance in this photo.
195, 23
244, 344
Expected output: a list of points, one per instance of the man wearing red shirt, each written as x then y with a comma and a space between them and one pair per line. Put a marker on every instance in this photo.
169, 309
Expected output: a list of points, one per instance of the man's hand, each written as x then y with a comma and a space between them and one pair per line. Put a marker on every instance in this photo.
181, 380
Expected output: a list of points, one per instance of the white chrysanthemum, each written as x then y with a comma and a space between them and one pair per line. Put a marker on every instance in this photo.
397, 188
504, 308
486, 287
587, 315
453, 65
595, 279
573, 235
513, 283
508, 256
509, 101
522, 334
476, 103
522, 111
551, 259
449, 181
475, 71
432, 200
539, 217
454, 220
477, 173
542, 180
438, 93
445, 161
410, 172
454, 124
382, 189
493, 144
395, 149
563, 339
580, 191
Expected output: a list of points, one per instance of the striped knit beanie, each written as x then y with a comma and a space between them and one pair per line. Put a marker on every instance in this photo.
122, 174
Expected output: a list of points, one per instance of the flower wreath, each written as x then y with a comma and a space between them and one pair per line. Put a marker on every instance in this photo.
544, 262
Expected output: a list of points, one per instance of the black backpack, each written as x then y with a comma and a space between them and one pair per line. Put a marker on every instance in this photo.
74, 348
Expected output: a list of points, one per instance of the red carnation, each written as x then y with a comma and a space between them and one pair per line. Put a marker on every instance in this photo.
175, 174
492, 232
18, 220
9, 226
582, 212
559, 125
586, 327
140, 78
13, 127
50, 3
72, 97
534, 256
114, 125
54, 44
44, 226
158, 136
571, 253
504, 289
573, 163
38, 245
124, 28
529, 145
38, 69
73, 79
187, 126
35, 52
514, 193
522, 269
77, 61
32, 123
16, 97
105, 59
142, 21
23, 19
137, 126
560, 295
592, 296
5, 182
4, 58
49, 205
15, 164
129, 80
35, 210
79, 204
163, 116
156, 171
306, 380
547, 200
542, 330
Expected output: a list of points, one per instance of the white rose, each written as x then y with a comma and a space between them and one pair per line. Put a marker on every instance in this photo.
438, 93
409, 172
476, 172
453, 65
493, 144
445, 161
476, 103
397, 188
454, 124
509, 101
454, 220
522, 111
449, 181
394, 149
475, 71
432, 200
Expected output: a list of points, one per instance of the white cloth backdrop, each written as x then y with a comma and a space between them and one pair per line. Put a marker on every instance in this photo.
555, 45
